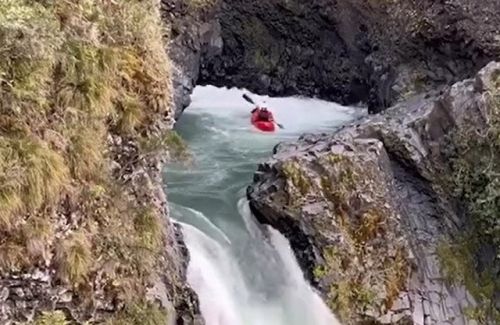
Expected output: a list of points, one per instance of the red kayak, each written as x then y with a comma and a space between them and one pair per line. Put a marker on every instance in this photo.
265, 126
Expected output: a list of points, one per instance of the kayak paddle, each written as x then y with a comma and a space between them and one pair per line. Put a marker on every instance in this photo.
251, 101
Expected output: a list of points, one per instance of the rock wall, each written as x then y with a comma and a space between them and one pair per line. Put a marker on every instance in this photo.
367, 209
348, 51
195, 35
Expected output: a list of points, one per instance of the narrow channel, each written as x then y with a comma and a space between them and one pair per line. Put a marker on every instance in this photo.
243, 273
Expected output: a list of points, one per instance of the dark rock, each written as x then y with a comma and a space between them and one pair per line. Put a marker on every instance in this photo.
348, 51
195, 34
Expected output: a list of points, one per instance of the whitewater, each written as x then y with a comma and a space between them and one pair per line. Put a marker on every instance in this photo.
244, 273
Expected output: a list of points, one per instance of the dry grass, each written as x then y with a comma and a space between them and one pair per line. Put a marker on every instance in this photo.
74, 258
72, 73
86, 151
37, 235
26, 62
13, 257
51, 318
149, 229
31, 175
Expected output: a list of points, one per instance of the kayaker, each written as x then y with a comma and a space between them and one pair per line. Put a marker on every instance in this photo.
263, 114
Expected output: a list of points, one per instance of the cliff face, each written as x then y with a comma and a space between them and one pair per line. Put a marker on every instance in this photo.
394, 219
86, 113
195, 35
342, 50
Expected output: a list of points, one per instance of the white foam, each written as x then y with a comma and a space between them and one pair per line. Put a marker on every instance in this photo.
296, 114
242, 274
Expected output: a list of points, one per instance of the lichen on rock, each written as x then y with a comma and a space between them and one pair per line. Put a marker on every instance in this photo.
340, 193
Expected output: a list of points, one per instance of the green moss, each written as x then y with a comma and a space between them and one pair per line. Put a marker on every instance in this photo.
348, 296
140, 314
320, 271
475, 164
297, 176
352, 289
334, 159
170, 142
149, 229
458, 267
51, 318
341, 182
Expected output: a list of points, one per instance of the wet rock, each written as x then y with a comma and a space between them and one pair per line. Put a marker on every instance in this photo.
366, 212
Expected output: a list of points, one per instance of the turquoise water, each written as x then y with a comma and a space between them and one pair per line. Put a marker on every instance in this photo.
244, 273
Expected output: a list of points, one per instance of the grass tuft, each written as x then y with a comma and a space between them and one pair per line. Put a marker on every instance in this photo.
148, 226
140, 314
74, 257
37, 234
86, 151
31, 174
13, 257
51, 318
29, 38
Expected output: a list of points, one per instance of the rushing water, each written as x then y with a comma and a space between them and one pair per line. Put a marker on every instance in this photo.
243, 273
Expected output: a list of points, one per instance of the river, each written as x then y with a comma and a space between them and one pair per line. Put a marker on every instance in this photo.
243, 273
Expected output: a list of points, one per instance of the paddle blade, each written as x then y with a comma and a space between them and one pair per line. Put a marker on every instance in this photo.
280, 126
248, 99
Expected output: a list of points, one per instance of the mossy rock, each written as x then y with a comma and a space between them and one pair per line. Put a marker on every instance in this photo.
84, 83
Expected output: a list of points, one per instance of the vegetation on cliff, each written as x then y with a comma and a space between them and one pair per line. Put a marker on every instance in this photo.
353, 225
84, 85
476, 183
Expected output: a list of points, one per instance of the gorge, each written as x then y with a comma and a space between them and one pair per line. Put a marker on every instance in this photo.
392, 217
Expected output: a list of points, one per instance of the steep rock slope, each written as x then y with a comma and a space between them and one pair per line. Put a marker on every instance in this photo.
395, 218
351, 50
85, 119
